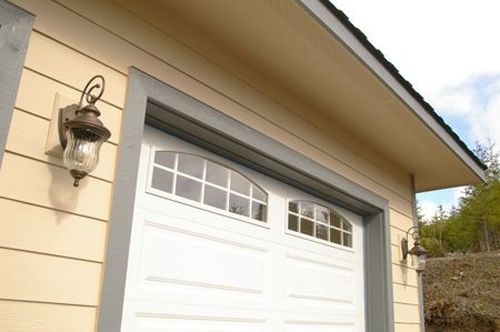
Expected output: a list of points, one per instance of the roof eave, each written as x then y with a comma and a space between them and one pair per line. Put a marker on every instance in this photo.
338, 25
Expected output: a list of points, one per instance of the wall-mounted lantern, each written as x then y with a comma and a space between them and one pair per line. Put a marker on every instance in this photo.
418, 252
82, 133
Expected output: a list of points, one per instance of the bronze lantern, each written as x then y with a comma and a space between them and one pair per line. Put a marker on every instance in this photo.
82, 133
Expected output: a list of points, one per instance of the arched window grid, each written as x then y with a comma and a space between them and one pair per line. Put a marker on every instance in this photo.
317, 221
207, 182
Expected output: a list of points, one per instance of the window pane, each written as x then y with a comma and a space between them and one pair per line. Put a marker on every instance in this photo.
334, 219
307, 209
293, 207
346, 226
347, 240
258, 211
217, 174
165, 158
322, 232
322, 214
239, 205
162, 180
293, 222
215, 197
258, 194
306, 226
188, 188
240, 184
191, 165
335, 236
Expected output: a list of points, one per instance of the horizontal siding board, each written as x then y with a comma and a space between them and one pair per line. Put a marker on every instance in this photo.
64, 64
37, 229
41, 278
36, 182
405, 294
406, 313
403, 275
400, 220
396, 236
171, 52
41, 103
401, 327
28, 135
19, 316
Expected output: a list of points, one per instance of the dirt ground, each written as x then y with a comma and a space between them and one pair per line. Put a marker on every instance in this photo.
462, 293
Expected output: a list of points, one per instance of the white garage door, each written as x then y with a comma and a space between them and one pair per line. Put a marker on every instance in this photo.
219, 247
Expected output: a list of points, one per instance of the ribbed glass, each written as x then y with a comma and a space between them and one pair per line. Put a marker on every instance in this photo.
82, 150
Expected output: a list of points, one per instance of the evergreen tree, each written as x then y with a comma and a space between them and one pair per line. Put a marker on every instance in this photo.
474, 225
479, 209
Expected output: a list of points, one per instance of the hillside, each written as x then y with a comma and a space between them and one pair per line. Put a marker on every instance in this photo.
462, 293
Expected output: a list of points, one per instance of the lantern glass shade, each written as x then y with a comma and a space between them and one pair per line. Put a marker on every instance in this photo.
421, 260
82, 149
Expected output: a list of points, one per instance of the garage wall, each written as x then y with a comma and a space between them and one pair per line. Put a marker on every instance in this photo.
53, 237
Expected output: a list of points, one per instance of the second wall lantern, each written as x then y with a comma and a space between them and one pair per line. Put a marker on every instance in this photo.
82, 133
418, 252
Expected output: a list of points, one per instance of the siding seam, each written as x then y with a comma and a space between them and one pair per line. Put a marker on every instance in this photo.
52, 209
50, 254
405, 285
48, 302
35, 30
103, 100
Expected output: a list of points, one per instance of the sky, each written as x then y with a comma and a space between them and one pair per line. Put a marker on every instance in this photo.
449, 50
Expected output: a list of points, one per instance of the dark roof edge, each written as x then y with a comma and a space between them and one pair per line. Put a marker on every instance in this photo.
360, 36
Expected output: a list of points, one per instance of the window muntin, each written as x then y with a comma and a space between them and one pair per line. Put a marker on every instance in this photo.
317, 221
206, 182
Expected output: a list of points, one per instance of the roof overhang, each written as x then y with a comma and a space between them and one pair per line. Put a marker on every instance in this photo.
310, 49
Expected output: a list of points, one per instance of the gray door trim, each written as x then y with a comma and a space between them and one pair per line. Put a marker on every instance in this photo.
160, 105
15, 32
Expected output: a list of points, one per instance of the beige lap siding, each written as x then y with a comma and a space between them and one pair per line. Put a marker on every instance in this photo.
44, 230
27, 316
53, 236
162, 56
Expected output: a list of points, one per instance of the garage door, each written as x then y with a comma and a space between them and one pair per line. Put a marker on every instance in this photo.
216, 246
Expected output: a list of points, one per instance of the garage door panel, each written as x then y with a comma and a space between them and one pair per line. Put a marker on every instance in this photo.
177, 261
320, 327
156, 317
199, 260
318, 283
196, 324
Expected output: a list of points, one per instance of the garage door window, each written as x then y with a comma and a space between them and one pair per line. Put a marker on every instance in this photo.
319, 222
200, 180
